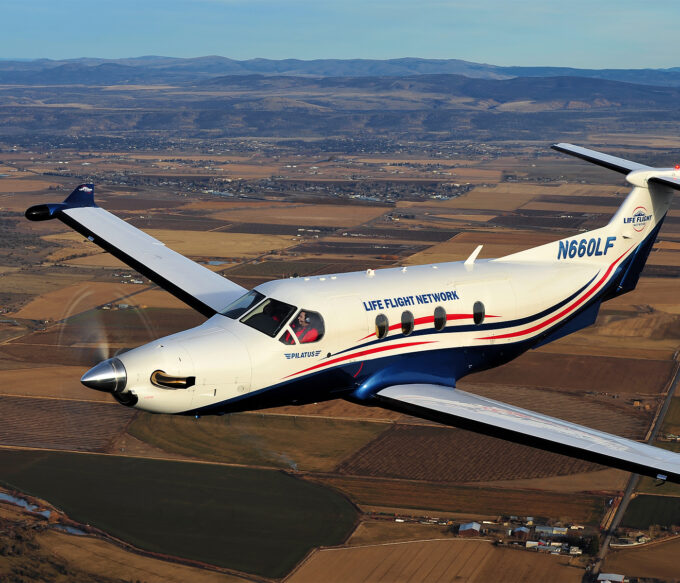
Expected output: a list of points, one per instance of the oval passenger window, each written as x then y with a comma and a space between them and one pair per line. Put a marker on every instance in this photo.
478, 312
381, 325
439, 318
406, 323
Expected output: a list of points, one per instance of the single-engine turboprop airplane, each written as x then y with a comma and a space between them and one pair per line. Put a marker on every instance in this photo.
397, 338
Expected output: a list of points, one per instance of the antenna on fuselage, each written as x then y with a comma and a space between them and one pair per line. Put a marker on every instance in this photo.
470, 260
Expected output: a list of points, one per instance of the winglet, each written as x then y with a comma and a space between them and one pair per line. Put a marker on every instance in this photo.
82, 196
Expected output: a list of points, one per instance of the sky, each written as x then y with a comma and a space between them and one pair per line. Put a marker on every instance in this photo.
574, 33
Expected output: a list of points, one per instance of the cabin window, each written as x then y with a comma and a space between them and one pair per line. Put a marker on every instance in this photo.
478, 312
269, 317
382, 325
307, 327
439, 318
240, 306
406, 323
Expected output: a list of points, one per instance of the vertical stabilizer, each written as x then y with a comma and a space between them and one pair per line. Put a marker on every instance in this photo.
629, 236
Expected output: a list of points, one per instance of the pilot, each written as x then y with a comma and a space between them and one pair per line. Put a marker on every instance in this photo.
304, 331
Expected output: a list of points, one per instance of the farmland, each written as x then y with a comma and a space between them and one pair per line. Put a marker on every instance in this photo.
645, 510
658, 560
482, 500
441, 454
222, 521
435, 560
297, 212
279, 441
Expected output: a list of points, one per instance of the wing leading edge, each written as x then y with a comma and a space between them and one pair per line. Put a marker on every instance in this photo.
454, 407
205, 291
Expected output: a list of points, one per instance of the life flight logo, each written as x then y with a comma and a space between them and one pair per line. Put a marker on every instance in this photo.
639, 219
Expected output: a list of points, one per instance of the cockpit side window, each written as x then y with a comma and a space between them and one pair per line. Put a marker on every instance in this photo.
240, 306
307, 327
288, 337
269, 317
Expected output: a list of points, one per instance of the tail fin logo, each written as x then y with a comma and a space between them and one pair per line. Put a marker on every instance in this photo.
639, 219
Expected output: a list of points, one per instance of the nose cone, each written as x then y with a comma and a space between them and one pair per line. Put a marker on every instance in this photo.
108, 376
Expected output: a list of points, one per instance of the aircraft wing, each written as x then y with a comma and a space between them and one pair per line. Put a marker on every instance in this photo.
612, 162
454, 407
197, 286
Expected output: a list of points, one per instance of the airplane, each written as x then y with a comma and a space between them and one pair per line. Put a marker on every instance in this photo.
398, 338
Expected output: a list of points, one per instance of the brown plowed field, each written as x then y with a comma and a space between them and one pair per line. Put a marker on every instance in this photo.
128, 327
59, 382
581, 373
57, 424
434, 561
659, 560
471, 500
442, 454
76, 298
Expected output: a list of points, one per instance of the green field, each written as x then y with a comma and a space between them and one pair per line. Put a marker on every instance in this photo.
279, 441
671, 422
645, 510
258, 521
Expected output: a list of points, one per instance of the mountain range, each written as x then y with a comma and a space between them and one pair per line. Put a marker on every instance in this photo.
156, 69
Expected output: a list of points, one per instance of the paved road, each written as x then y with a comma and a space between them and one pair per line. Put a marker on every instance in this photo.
634, 478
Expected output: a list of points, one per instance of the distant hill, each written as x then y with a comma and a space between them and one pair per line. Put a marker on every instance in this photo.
156, 70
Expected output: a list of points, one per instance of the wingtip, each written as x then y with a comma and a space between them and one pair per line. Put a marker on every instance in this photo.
82, 196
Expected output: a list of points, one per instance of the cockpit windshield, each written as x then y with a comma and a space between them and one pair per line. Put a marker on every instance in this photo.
269, 317
240, 306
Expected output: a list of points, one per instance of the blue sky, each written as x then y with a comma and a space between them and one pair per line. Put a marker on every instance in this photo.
577, 33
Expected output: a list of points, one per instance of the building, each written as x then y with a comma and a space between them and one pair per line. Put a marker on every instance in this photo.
469, 529
611, 578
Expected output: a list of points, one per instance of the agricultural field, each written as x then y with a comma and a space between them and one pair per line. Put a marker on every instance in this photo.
107, 329
278, 441
645, 510
241, 518
435, 560
77, 298
380, 531
287, 226
442, 454
378, 493
42, 553
658, 560
566, 373
60, 424
317, 215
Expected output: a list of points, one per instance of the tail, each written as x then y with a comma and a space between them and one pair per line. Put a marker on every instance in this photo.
629, 236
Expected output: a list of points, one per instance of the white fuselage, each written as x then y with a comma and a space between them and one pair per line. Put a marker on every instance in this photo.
231, 360
526, 299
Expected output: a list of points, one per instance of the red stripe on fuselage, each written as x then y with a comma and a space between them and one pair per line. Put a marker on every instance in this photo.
564, 312
362, 353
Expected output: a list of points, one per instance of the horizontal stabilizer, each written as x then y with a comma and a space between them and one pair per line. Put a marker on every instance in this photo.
202, 289
673, 183
612, 162
460, 409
